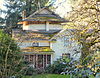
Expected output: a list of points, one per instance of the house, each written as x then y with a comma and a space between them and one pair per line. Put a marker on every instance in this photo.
36, 38
66, 45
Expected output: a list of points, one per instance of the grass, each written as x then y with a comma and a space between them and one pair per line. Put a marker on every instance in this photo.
51, 76
48, 76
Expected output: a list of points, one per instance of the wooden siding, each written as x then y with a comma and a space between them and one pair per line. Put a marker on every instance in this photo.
36, 27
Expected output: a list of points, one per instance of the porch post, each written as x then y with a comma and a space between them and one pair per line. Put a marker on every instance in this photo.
29, 58
43, 60
47, 26
51, 59
36, 60
46, 60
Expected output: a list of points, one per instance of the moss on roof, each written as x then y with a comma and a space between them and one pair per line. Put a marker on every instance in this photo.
37, 49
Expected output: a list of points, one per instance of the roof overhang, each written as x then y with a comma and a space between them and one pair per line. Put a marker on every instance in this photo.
38, 52
44, 17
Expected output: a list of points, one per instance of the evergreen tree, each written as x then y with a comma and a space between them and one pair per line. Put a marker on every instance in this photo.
16, 7
13, 13
32, 5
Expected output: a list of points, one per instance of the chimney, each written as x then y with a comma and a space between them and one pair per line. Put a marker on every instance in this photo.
24, 14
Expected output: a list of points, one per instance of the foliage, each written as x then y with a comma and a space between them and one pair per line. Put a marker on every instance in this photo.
29, 71
85, 19
80, 72
16, 7
95, 62
31, 6
58, 66
70, 67
75, 70
11, 62
90, 67
83, 73
13, 12
48, 76
2, 20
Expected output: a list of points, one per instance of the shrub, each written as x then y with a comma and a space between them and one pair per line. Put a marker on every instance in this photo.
58, 66
11, 62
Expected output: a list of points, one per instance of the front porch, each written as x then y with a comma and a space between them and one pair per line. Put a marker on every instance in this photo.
38, 60
38, 56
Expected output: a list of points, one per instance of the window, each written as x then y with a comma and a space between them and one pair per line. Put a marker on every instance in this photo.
31, 58
66, 55
26, 57
35, 44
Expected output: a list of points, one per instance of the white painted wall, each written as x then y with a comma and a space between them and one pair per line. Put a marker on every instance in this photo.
44, 44
28, 44
65, 45
55, 27
58, 48
47, 26
42, 27
34, 27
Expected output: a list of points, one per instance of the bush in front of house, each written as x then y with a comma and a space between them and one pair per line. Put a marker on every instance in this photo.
30, 70
80, 70
69, 67
11, 60
58, 66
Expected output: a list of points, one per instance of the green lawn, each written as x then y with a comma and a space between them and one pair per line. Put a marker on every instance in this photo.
48, 76
51, 76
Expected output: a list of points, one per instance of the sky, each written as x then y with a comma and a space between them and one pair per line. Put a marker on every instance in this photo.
63, 7
1, 4
2, 7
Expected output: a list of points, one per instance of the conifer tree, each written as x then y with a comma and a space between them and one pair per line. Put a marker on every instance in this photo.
16, 7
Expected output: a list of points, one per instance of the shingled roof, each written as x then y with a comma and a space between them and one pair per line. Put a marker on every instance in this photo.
26, 35
45, 14
35, 50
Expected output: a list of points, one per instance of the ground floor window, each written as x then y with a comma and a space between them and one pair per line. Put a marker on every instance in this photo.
66, 55
39, 60
48, 59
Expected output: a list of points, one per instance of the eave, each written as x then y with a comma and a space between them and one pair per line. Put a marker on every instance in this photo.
38, 50
28, 53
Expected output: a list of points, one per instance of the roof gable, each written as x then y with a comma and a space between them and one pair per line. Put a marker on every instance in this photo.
44, 14
43, 11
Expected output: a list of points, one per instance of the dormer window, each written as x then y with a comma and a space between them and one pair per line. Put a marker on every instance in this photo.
35, 44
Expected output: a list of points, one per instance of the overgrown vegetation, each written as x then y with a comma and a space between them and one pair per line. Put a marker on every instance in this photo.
72, 68
60, 65
85, 18
11, 62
